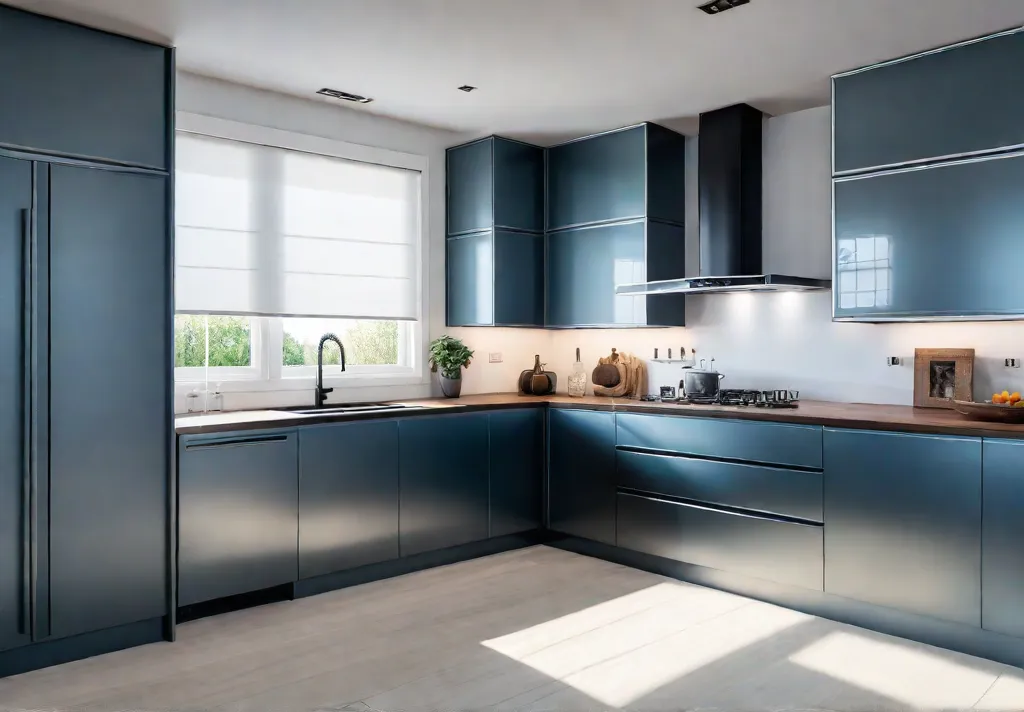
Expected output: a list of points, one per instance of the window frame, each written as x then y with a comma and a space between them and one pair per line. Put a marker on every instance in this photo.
268, 372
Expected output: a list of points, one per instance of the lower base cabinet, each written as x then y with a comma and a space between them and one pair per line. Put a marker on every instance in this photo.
1002, 537
516, 470
581, 473
348, 496
768, 549
903, 522
237, 514
443, 481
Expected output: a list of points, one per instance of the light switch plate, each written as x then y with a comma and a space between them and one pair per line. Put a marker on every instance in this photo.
494, 357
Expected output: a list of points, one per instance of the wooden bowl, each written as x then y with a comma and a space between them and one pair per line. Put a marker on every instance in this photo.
995, 412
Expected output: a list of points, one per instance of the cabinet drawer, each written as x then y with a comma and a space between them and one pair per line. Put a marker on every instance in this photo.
752, 546
77, 91
770, 443
960, 100
790, 493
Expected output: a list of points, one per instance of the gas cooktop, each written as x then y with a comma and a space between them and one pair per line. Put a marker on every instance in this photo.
757, 399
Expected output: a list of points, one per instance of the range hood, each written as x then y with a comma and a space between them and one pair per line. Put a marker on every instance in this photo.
729, 184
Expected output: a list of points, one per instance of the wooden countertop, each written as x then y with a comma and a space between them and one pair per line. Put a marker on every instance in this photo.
840, 415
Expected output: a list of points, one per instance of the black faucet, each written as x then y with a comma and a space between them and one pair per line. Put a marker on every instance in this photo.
321, 392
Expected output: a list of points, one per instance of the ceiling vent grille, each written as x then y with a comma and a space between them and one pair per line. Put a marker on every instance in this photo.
716, 7
336, 94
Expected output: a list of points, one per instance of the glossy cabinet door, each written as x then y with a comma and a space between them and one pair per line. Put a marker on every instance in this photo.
348, 496
729, 541
1002, 583
109, 448
930, 243
959, 100
666, 175
516, 470
581, 473
597, 179
15, 204
470, 279
518, 278
470, 187
238, 523
443, 481
518, 185
903, 522
583, 268
76, 91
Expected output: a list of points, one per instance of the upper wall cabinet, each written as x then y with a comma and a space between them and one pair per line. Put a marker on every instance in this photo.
960, 100
621, 175
80, 92
930, 243
495, 182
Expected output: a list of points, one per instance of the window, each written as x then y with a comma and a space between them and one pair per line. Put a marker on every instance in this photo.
282, 238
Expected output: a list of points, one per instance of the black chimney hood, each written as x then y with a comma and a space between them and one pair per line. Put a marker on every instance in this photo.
729, 184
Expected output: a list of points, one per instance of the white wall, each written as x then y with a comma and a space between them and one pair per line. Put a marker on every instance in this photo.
202, 95
770, 340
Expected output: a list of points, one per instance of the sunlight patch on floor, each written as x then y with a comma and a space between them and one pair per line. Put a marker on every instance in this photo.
535, 638
622, 650
900, 671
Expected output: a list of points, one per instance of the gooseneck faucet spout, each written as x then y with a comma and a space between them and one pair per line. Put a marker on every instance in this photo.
321, 392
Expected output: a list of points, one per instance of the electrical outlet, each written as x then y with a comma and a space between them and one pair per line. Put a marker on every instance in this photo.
892, 361
1012, 362
494, 357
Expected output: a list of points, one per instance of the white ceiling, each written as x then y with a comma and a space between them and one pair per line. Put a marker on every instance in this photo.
545, 69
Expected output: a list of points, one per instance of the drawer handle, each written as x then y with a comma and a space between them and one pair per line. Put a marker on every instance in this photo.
720, 509
255, 440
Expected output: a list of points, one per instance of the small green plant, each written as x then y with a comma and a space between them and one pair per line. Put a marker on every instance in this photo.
449, 355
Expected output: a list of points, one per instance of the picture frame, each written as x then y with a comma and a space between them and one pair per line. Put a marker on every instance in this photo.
942, 376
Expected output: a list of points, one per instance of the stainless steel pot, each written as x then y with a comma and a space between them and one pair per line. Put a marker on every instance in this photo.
697, 383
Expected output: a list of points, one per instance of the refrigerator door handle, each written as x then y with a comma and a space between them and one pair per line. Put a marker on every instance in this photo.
25, 618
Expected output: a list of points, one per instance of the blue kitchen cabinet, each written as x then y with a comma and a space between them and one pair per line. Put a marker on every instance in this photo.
496, 278
348, 496
516, 470
929, 243
71, 90
238, 519
470, 187
109, 450
581, 473
961, 100
470, 279
1002, 534
737, 542
584, 266
597, 179
495, 247
626, 174
15, 595
495, 182
443, 481
903, 522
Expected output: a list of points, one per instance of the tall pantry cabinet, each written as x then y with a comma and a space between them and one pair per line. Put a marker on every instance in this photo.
85, 340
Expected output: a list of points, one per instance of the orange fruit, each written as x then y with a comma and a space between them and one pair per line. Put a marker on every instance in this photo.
1014, 397
1006, 395
997, 398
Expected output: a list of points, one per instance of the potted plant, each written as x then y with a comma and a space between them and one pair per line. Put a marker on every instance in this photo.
449, 355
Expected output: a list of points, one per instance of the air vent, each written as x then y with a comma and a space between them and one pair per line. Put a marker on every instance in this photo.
716, 7
335, 94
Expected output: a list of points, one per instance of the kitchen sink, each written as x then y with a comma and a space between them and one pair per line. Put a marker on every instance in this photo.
355, 408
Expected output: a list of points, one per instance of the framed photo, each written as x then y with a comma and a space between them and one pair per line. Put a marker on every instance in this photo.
941, 376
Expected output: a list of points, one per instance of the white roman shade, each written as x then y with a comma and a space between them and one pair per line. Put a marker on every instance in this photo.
276, 232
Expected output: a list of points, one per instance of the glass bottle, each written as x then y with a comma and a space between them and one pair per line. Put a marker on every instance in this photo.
578, 378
